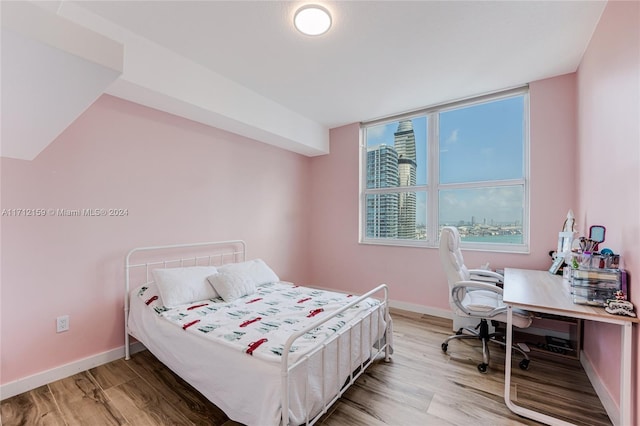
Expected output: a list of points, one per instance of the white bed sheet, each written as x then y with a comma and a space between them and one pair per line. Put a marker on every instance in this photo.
248, 389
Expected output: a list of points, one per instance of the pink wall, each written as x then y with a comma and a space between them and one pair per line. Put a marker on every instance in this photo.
415, 275
180, 181
609, 162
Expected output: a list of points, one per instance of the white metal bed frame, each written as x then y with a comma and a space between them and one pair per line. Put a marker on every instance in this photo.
236, 251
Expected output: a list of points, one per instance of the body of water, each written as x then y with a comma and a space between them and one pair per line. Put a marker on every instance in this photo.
499, 239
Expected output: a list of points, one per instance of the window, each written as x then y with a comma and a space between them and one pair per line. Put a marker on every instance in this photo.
463, 164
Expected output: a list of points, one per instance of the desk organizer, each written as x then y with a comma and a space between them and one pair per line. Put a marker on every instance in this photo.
593, 286
588, 260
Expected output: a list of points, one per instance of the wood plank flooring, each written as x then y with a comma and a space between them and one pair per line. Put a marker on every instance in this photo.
420, 386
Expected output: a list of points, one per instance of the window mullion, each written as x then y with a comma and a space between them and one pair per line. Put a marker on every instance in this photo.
433, 162
394, 189
482, 184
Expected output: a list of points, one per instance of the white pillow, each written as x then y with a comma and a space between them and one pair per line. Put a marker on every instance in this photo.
232, 285
256, 269
184, 285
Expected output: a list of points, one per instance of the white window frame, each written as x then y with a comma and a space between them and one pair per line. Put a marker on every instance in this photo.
433, 186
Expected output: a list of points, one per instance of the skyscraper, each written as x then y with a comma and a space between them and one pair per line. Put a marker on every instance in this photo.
392, 214
405, 145
382, 209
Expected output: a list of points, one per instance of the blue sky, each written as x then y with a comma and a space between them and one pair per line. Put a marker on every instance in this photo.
477, 143
482, 142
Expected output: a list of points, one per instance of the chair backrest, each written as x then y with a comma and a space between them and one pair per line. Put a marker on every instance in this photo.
451, 258
451, 255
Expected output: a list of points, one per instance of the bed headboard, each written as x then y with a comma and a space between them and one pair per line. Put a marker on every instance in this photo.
141, 261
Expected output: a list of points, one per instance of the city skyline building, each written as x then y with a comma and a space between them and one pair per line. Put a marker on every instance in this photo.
405, 145
382, 209
392, 215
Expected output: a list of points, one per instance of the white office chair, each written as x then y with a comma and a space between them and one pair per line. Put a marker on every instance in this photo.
471, 298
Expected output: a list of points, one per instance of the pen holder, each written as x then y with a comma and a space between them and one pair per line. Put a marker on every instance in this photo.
584, 259
597, 260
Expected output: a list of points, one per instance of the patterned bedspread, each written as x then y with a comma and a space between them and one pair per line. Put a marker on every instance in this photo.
260, 324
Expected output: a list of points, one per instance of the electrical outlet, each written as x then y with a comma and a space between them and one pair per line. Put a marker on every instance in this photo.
62, 323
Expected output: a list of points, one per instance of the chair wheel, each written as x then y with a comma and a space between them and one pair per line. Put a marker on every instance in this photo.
459, 332
482, 367
444, 347
524, 364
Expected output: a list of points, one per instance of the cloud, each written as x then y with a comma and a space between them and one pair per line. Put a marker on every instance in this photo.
453, 137
376, 134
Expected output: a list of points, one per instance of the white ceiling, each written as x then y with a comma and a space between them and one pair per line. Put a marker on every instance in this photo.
379, 58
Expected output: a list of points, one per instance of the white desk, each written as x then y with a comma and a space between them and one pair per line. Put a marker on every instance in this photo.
540, 291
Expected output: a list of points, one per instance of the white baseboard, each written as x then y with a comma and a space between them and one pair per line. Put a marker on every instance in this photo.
612, 409
411, 307
28, 383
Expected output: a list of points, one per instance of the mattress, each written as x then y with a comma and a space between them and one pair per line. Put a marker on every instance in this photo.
231, 352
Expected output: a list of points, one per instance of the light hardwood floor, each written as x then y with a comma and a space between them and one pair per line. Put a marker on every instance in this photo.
420, 386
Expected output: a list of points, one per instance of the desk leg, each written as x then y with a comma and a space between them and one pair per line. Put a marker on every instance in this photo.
507, 362
625, 375
525, 412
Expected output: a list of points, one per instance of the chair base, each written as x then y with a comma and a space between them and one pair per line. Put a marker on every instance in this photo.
481, 331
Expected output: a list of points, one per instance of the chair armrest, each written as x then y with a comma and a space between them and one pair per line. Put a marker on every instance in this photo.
487, 273
476, 285
461, 287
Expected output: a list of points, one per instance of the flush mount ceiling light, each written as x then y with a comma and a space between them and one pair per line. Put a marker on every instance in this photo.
312, 20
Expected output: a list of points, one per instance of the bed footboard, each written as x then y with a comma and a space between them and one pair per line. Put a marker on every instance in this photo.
378, 346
